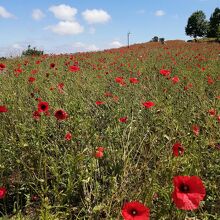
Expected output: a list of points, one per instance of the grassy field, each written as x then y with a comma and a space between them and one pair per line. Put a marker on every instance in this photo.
82, 134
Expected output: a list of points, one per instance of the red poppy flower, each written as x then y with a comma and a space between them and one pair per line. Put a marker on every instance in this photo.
134, 80
178, 149
165, 72
196, 129
68, 136
33, 71
101, 149
3, 108
149, 104
123, 119
120, 80
61, 114
212, 112
60, 87
2, 192
52, 65
74, 68
19, 70
76, 63
188, 192
210, 80
43, 106
190, 85
36, 115
99, 103
98, 154
31, 79
175, 79
135, 211
185, 88
218, 118
2, 66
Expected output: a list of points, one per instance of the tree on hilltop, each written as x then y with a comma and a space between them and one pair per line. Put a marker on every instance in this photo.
155, 39
32, 51
197, 25
214, 23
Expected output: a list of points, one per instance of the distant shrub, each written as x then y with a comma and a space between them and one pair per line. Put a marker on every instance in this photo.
32, 51
162, 40
155, 39
3, 58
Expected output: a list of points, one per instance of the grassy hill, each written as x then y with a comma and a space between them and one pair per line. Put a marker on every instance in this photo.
82, 134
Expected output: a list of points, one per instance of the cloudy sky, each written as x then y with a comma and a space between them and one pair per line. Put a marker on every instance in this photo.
87, 25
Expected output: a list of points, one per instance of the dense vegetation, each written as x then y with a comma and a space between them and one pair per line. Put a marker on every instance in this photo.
32, 51
198, 26
82, 134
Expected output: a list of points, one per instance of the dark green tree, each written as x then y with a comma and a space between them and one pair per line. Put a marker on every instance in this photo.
197, 25
218, 34
214, 23
32, 51
162, 40
155, 39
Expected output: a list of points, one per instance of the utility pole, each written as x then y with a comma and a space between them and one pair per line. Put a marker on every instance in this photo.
128, 35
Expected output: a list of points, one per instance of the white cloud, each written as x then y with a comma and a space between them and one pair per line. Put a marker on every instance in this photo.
63, 12
66, 28
96, 16
159, 13
37, 14
5, 14
116, 44
73, 48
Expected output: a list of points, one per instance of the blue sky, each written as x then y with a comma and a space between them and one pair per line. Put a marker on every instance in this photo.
82, 25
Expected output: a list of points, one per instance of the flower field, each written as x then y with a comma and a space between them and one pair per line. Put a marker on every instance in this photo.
129, 133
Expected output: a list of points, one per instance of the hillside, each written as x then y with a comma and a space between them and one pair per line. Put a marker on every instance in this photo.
82, 134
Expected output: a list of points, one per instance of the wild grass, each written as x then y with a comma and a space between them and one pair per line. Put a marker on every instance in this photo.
48, 177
